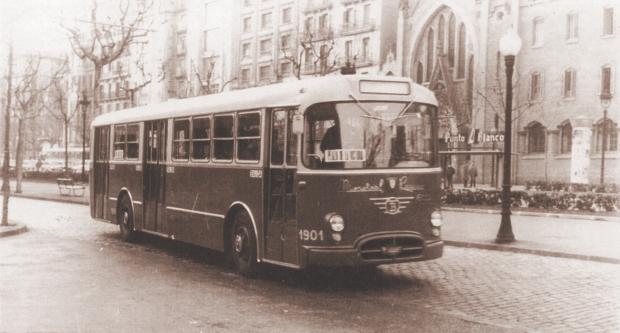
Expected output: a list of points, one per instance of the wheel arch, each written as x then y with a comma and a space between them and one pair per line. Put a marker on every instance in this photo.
233, 210
124, 192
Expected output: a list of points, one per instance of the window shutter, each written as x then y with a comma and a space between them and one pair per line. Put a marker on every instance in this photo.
541, 86
574, 83
611, 79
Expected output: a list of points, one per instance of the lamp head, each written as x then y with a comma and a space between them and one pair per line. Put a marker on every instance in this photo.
606, 99
510, 43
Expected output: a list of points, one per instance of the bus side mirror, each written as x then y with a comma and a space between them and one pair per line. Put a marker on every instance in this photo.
298, 124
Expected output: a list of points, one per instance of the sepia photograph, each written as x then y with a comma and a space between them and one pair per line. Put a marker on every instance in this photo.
309, 166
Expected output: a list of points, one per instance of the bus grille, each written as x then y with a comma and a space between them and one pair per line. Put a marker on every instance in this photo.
392, 248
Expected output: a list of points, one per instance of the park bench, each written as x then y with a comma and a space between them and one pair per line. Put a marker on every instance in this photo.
68, 187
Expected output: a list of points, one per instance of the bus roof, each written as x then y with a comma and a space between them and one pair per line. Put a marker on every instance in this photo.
297, 92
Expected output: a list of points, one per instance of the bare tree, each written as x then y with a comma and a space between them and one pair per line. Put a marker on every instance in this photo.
141, 79
204, 81
295, 61
108, 40
320, 48
57, 107
28, 105
495, 98
6, 185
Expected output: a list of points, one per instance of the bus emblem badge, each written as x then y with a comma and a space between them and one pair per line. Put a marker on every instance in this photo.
391, 205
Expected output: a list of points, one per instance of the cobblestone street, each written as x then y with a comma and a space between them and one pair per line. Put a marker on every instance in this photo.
493, 290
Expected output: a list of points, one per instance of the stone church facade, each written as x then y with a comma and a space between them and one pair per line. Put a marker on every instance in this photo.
567, 60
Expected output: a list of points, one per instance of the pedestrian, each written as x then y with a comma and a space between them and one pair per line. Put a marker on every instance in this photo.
473, 173
39, 164
465, 175
449, 175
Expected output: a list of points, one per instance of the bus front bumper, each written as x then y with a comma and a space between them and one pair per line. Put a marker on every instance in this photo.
350, 256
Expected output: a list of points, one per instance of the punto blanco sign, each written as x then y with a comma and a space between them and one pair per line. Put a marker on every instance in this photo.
475, 136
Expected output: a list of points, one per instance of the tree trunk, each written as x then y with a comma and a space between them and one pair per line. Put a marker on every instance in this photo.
6, 186
66, 121
96, 85
19, 155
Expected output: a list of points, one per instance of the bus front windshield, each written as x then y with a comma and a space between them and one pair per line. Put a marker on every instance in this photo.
369, 135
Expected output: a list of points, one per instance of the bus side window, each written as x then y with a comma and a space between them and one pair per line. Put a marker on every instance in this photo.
120, 140
223, 137
201, 138
277, 137
133, 138
248, 137
291, 144
180, 142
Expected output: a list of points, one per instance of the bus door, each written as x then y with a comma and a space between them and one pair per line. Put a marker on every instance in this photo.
281, 226
154, 176
100, 170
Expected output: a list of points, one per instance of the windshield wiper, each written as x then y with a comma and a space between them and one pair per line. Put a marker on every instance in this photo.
359, 105
369, 115
405, 109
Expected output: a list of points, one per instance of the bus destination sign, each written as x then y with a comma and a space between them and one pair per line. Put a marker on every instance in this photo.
345, 155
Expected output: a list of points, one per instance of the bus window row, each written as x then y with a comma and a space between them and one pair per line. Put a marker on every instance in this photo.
194, 140
201, 138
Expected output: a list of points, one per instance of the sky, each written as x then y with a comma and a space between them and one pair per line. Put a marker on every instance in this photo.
35, 25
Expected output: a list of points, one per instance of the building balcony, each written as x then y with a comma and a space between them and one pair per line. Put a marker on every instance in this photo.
364, 61
210, 53
352, 29
307, 69
317, 5
318, 34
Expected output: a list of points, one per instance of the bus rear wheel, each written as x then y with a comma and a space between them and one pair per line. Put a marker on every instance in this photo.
124, 217
243, 245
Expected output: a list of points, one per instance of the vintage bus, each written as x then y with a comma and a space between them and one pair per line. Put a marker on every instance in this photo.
337, 170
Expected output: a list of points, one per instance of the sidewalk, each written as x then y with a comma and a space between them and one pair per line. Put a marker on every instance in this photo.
44, 190
550, 236
583, 237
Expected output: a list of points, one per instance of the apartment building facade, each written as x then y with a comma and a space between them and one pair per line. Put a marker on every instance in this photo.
567, 61
265, 34
360, 33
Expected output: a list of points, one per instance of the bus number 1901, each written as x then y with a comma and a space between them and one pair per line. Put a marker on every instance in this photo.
310, 235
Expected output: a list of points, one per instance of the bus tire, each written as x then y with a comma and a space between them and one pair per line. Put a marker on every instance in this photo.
124, 218
243, 245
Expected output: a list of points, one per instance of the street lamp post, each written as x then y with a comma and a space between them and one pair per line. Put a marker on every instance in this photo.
84, 102
509, 46
605, 102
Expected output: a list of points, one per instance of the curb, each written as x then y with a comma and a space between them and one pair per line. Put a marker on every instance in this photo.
535, 214
13, 230
545, 253
37, 197
465, 244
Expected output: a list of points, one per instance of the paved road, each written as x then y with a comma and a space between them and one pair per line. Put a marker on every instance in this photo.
72, 274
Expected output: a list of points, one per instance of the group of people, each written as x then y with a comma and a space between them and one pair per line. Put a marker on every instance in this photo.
469, 175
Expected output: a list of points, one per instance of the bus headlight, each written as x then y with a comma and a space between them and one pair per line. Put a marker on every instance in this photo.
436, 219
336, 222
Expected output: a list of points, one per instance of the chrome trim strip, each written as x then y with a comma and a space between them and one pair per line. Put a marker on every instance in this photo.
194, 211
259, 257
130, 199
125, 162
112, 198
279, 263
154, 233
370, 172
137, 202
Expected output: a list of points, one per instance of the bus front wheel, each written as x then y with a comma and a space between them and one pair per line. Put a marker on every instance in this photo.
124, 216
243, 245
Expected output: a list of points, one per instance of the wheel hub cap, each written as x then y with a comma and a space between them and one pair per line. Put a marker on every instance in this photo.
238, 243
